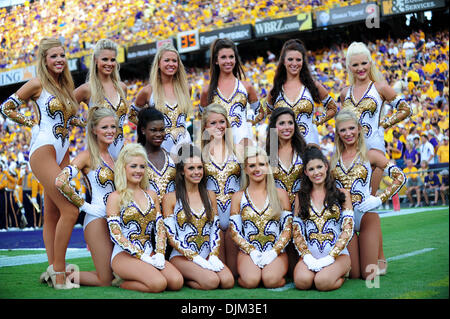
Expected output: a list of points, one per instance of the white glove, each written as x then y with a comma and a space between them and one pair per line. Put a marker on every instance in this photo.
256, 255
93, 209
267, 257
311, 262
216, 263
158, 261
325, 261
202, 262
146, 258
370, 203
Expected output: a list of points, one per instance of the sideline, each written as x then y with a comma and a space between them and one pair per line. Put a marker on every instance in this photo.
39, 258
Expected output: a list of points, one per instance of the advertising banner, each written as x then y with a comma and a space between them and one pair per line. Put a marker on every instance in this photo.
142, 50
299, 22
236, 33
17, 75
391, 7
346, 14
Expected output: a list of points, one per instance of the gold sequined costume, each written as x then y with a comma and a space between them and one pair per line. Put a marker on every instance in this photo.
252, 228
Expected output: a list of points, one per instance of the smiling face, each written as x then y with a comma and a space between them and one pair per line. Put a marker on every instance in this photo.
256, 168
105, 130
216, 125
55, 60
135, 169
154, 132
168, 64
285, 126
316, 171
348, 132
193, 170
106, 62
293, 62
226, 60
360, 66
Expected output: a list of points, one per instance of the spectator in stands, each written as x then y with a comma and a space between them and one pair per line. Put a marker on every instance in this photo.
426, 149
411, 154
396, 149
445, 186
431, 183
443, 151
413, 183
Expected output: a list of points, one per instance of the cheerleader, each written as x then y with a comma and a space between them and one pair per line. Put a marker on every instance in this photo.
97, 165
261, 224
352, 168
366, 96
56, 110
192, 224
285, 146
160, 166
104, 88
135, 223
222, 170
322, 227
168, 92
226, 87
294, 87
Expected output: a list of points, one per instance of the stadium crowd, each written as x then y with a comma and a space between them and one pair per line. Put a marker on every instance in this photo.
127, 22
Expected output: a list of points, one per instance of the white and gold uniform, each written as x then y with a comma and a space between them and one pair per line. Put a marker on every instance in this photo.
236, 106
162, 181
327, 231
224, 180
199, 236
356, 179
53, 122
289, 178
100, 184
121, 110
134, 229
175, 125
303, 107
258, 229
368, 110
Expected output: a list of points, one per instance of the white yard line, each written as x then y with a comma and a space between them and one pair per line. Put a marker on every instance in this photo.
40, 258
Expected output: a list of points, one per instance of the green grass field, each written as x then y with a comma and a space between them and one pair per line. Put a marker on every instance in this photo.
417, 246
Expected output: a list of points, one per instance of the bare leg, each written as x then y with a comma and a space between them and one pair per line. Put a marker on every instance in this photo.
138, 275
173, 276
369, 242
231, 252
353, 249
332, 276
195, 276
273, 273
303, 277
250, 275
97, 237
44, 167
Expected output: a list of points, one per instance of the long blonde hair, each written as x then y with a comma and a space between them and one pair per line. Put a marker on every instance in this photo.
120, 178
346, 115
252, 151
360, 48
229, 142
95, 114
63, 88
180, 82
97, 91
